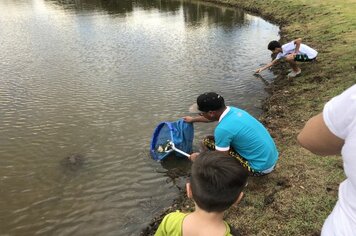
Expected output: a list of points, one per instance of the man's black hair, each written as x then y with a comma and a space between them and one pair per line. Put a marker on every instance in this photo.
216, 181
210, 102
273, 45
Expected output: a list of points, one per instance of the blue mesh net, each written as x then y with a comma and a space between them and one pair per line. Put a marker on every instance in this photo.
180, 133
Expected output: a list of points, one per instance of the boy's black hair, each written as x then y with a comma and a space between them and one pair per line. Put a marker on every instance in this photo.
216, 181
273, 45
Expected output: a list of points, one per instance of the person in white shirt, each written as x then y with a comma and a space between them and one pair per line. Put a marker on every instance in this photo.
333, 132
292, 52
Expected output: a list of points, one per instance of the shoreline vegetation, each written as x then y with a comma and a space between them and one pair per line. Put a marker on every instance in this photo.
297, 197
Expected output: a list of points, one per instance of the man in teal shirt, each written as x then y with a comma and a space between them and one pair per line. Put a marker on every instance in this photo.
238, 133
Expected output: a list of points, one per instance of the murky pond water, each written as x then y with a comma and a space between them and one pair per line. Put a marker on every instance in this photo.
83, 83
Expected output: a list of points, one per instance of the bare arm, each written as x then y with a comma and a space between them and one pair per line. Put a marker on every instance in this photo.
267, 66
191, 119
297, 43
317, 138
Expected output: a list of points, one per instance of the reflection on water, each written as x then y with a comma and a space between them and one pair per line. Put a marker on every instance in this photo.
83, 85
194, 13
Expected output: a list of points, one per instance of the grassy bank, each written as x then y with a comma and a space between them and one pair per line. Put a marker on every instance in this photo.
298, 196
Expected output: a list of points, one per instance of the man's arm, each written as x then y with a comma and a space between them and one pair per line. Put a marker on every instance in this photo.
317, 138
267, 66
191, 119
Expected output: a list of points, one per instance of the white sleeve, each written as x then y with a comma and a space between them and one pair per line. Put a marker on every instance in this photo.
286, 49
289, 46
340, 113
279, 56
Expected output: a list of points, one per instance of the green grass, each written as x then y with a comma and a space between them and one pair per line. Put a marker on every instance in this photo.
299, 195
293, 200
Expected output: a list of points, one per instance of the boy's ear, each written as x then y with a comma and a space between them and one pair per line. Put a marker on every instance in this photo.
189, 190
239, 198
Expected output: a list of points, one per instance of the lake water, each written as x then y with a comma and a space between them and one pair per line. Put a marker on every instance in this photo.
91, 79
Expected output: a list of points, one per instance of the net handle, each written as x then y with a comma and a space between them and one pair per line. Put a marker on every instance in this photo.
178, 150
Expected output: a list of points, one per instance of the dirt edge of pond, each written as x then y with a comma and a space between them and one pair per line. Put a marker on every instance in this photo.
294, 194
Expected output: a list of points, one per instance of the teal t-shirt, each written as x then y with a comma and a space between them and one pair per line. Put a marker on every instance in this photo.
172, 223
247, 136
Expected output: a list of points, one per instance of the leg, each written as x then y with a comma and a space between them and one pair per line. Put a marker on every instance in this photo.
292, 63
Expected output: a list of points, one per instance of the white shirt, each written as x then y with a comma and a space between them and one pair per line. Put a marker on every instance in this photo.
289, 48
340, 117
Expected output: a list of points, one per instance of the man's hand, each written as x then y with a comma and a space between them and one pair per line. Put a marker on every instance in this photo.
193, 156
258, 70
188, 119
266, 66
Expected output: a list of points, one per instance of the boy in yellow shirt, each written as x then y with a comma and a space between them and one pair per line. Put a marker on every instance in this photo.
216, 183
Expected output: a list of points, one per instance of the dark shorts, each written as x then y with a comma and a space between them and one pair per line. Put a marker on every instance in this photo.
209, 143
303, 58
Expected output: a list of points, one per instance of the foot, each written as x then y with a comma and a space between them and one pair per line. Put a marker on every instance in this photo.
293, 73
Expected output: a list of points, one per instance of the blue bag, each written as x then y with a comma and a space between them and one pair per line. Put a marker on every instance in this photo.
172, 136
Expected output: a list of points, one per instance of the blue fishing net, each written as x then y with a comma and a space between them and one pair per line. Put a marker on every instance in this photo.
179, 132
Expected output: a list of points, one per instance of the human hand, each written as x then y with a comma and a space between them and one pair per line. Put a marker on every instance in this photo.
188, 119
258, 70
193, 156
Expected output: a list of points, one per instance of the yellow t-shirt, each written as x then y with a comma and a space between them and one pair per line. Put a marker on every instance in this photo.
171, 225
